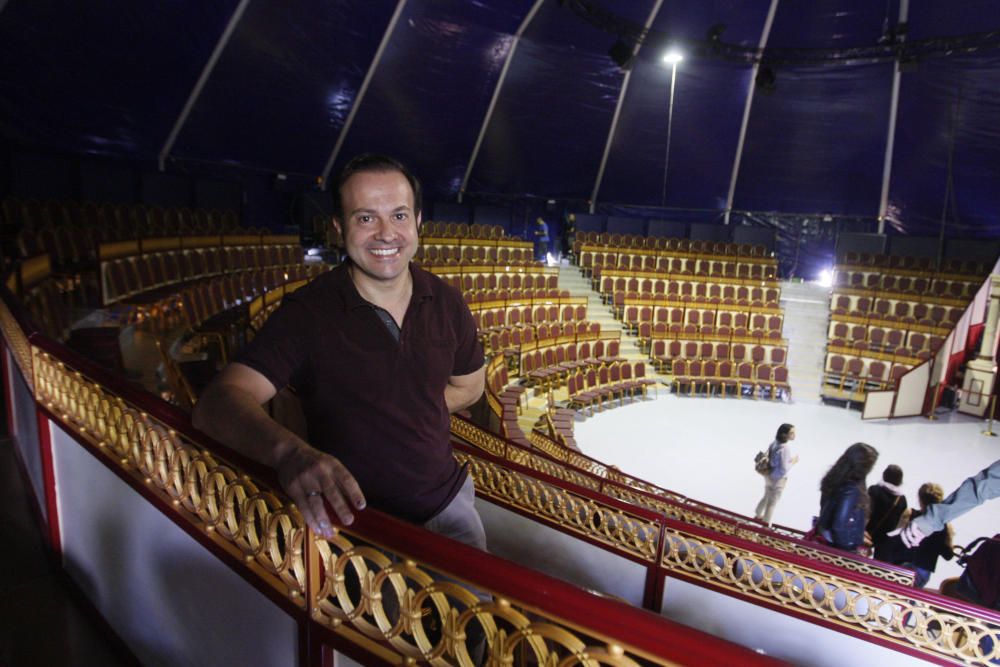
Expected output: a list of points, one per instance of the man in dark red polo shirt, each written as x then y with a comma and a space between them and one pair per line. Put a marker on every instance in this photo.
380, 353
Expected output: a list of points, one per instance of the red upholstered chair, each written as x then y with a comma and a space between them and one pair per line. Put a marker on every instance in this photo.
779, 382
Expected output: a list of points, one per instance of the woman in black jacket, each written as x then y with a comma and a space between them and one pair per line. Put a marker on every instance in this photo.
844, 505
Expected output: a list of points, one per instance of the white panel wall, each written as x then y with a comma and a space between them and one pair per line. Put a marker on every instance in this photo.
170, 599
912, 389
25, 430
770, 632
559, 555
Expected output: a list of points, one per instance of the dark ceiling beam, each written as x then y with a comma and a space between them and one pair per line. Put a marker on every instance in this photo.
496, 95
765, 33
206, 73
890, 139
618, 108
386, 38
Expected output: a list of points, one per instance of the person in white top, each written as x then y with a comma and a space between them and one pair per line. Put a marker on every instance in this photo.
780, 457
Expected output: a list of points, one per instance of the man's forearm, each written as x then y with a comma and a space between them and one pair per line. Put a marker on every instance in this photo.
234, 418
459, 398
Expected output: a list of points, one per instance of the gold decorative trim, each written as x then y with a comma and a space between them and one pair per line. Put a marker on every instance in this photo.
428, 616
930, 628
257, 526
670, 505
18, 345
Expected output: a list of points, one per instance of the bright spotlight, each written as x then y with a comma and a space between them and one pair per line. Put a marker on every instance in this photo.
825, 278
673, 57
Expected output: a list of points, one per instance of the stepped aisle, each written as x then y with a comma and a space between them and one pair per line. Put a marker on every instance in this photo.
572, 279
807, 313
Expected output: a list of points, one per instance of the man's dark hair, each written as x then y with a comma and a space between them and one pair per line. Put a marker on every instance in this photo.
375, 162
893, 474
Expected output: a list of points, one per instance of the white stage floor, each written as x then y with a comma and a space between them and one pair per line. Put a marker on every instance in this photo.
704, 448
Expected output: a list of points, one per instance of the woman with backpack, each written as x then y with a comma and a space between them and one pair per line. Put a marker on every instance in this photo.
844, 506
780, 459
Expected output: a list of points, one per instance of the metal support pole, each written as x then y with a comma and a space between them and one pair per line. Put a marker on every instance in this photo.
989, 426
934, 404
670, 127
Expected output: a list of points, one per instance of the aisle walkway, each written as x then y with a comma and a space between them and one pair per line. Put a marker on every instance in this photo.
807, 312
572, 279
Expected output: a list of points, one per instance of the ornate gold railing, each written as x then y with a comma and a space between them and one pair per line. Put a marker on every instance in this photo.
587, 473
246, 520
17, 343
342, 583
866, 606
433, 600
933, 625
371, 592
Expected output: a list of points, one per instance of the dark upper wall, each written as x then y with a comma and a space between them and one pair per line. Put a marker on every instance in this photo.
112, 79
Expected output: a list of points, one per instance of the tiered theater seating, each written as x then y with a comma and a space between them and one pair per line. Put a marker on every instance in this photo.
557, 425
473, 252
71, 231
460, 230
606, 383
147, 274
505, 400
547, 364
713, 308
888, 314
500, 313
485, 277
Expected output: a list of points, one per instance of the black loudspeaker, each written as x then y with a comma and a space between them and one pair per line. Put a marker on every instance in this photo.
766, 80
621, 54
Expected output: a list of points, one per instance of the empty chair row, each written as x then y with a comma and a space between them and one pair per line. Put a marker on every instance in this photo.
547, 368
128, 276
557, 424
512, 338
615, 240
663, 353
657, 331
704, 290
519, 295
746, 268
697, 376
489, 318
460, 230
473, 254
603, 385
849, 377
928, 285
203, 300
700, 316
467, 281
896, 310
950, 265
48, 306
881, 339
543, 296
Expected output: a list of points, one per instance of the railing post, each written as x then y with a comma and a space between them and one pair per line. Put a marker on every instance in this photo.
652, 596
53, 534
989, 424
934, 403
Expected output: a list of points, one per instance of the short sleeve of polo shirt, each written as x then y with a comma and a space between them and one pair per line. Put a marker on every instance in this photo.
469, 350
282, 345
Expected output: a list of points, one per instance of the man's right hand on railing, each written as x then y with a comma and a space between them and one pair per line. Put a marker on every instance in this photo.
310, 476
